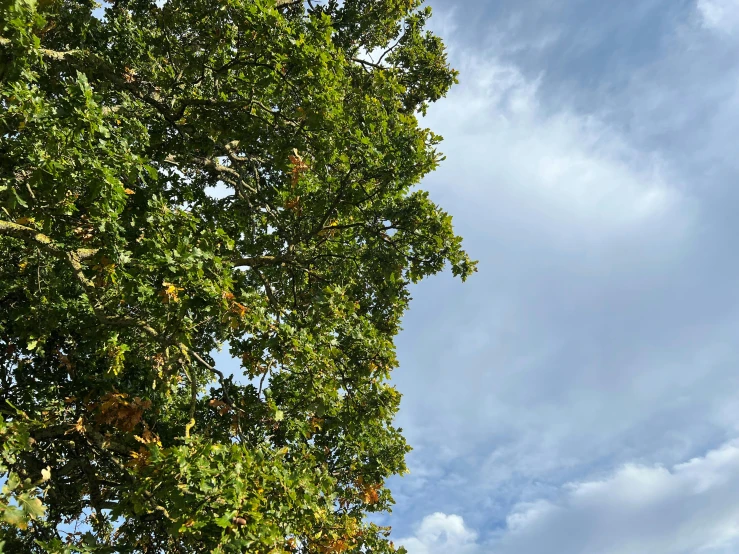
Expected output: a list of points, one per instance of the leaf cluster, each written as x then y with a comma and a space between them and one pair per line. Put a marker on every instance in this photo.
181, 178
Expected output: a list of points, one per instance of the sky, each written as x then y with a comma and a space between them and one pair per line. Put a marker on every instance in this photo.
580, 393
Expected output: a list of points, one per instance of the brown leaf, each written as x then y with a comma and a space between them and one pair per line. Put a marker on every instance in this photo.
129, 75
117, 411
219, 405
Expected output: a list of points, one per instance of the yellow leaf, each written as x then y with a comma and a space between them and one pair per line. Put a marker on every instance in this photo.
46, 474
79, 427
316, 423
170, 292
147, 437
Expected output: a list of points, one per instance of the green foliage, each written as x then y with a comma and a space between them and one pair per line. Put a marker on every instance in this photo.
121, 270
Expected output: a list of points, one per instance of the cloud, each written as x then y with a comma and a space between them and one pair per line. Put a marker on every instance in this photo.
441, 534
572, 168
687, 509
720, 15
602, 327
574, 230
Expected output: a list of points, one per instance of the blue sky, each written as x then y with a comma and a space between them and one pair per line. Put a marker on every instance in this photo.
580, 394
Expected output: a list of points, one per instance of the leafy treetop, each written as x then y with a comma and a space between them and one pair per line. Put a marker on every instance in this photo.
179, 177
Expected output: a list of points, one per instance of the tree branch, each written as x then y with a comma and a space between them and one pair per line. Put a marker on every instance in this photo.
259, 261
52, 54
46, 243
74, 258
287, 3
226, 174
368, 63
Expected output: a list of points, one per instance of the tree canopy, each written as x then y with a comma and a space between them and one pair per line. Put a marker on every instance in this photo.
192, 175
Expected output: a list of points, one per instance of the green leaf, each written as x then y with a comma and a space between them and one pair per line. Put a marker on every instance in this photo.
225, 521
18, 199
12, 483
13, 516
139, 272
31, 505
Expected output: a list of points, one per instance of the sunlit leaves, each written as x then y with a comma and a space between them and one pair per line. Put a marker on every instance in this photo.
19, 504
200, 175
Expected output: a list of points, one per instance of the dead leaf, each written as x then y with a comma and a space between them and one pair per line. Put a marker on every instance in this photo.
293, 204
122, 414
219, 405
129, 75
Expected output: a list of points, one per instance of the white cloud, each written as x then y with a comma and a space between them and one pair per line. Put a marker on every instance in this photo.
602, 327
720, 15
690, 508
687, 509
569, 167
441, 534
573, 227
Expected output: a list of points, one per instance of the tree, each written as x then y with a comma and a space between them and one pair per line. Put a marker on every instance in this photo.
197, 175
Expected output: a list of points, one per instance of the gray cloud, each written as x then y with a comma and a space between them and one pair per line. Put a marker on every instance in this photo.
602, 327
720, 15
689, 508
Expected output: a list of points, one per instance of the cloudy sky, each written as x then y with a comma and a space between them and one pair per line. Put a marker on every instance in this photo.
580, 394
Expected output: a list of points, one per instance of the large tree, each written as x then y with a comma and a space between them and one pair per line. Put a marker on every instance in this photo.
184, 176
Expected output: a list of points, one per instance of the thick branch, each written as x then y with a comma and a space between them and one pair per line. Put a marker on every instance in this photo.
51, 54
46, 243
74, 258
126, 322
287, 3
369, 63
231, 149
